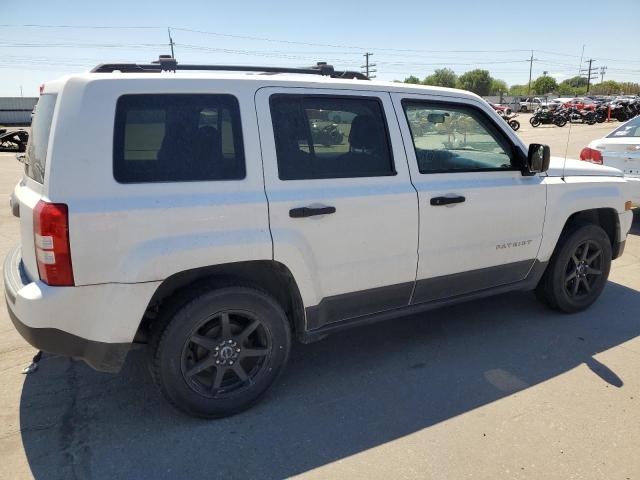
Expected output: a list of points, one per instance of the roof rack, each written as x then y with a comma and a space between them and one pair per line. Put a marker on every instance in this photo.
166, 63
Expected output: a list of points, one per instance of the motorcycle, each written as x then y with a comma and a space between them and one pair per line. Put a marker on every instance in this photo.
513, 123
15, 141
582, 116
619, 111
544, 116
326, 135
602, 113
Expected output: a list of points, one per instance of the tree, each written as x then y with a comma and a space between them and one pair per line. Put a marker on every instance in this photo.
544, 85
498, 86
442, 77
573, 86
576, 82
630, 88
606, 88
412, 79
518, 90
477, 81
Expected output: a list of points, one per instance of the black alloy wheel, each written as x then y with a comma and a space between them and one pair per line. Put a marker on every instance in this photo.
216, 349
583, 269
578, 269
225, 353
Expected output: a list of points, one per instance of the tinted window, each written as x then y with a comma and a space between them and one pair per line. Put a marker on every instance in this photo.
330, 137
450, 138
36, 155
171, 138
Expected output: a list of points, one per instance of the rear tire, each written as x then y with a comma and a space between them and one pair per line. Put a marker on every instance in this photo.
217, 352
578, 270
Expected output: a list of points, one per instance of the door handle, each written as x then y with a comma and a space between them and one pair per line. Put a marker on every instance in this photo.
437, 201
304, 212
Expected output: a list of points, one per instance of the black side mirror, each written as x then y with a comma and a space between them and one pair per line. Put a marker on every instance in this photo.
538, 158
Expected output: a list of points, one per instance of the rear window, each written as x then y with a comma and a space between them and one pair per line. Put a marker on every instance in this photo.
629, 129
174, 138
36, 156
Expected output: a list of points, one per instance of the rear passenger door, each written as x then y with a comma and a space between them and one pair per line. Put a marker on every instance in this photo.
342, 210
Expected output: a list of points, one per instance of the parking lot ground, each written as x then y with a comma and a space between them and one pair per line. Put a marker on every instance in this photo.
568, 140
493, 389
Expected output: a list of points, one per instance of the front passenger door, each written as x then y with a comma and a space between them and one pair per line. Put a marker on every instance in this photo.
481, 219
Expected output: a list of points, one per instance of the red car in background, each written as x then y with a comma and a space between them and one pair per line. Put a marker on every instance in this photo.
580, 104
501, 109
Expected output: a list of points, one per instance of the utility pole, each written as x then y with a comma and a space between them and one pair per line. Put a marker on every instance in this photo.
20, 90
530, 70
170, 42
368, 67
603, 69
588, 73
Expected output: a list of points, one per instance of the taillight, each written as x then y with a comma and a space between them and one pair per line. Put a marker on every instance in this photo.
51, 237
591, 155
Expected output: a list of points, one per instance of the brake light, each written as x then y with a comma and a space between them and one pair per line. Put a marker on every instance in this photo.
591, 155
51, 238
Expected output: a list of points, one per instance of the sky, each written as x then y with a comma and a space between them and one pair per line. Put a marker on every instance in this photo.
40, 40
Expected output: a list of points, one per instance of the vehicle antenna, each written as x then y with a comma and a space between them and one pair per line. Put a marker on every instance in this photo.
566, 148
171, 42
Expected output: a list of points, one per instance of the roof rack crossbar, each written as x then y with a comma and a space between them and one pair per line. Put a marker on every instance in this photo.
167, 63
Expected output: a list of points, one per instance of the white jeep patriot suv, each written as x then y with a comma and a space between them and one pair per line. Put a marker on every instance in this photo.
214, 215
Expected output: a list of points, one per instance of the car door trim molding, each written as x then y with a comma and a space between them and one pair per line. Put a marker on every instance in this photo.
445, 286
356, 308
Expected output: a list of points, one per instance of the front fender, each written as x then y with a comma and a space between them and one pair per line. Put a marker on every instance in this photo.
576, 194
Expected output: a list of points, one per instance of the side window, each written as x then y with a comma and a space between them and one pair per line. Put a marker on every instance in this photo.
455, 138
330, 137
177, 138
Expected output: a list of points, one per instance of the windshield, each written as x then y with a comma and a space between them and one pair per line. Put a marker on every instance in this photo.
39, 138
629, 129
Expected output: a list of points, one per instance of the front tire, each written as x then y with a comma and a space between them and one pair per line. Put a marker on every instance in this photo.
578, 270
220, 350
561, 122
534, 122
515, 125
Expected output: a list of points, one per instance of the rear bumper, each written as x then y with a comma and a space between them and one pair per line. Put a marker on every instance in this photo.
104, 357
94, 323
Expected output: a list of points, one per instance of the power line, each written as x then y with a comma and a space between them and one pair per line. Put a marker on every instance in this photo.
101, 27
249, 37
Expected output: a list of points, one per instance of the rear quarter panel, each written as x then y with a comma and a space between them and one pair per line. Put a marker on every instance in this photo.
130, 233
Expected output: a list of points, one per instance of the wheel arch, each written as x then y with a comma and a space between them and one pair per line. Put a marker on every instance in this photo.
271, 276
606, 218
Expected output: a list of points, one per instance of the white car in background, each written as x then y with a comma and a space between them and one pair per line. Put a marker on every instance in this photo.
619, 149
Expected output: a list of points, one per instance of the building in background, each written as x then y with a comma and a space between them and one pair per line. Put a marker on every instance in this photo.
16, 110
